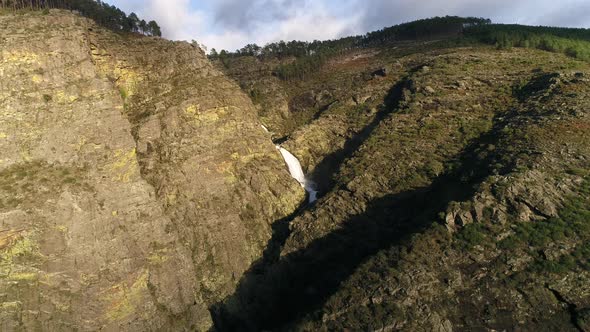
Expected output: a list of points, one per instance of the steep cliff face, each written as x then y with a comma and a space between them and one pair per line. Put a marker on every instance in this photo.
136, 182
266, 91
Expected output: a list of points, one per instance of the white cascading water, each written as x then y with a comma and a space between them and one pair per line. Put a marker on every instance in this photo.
297, 173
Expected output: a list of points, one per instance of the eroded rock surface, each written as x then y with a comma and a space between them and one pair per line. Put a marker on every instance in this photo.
136, 182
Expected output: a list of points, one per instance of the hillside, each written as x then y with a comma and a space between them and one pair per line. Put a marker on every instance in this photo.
454, 178
141, 191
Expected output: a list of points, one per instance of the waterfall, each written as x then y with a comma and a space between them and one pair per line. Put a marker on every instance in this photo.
297, 173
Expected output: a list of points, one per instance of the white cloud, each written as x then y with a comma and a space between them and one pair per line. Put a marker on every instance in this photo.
314, 21
308, 20
231, 24
177, 19
227, 40
382, 13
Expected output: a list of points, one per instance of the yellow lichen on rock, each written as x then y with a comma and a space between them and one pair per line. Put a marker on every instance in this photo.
192, 109
36, 79
124, 300
158, 257
206, 117
81, 142
252, 156
20, 57
62, 229
13, 258
228, 170
10, 306
128, 79
62, 98
170, 199
213, 280
25, 276
125, 165
25, 154
24, 246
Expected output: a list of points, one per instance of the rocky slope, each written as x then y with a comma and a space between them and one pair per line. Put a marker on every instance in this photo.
455, 199
136, 182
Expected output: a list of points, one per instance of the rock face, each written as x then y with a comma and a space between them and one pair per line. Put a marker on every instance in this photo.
266, 91
136, 184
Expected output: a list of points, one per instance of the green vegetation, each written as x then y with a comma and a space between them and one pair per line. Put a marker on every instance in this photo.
472, 235
310, 56
302, 67
573, 223
104, 14
418, 30
572, 42
123, 93
423, 29
32, 183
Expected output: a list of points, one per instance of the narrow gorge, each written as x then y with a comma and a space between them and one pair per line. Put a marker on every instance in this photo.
428, 176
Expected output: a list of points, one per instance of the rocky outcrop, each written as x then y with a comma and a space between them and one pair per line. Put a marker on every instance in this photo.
137, 184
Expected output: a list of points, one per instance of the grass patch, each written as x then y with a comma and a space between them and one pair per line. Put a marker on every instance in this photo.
123, 93
573, 224
30, 184
472, 235
570, 229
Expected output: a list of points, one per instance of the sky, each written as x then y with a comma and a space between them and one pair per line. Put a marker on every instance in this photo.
231, 24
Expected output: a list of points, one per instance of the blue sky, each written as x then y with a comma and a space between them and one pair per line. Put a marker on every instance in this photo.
230, 24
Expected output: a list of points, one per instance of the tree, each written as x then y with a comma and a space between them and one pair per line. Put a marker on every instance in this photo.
154, 29
213, 54
102, 13
134, 20
250, 49
143, 26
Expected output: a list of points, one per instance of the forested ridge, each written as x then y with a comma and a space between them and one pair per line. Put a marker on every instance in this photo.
104, 14
311, 56
574, 42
